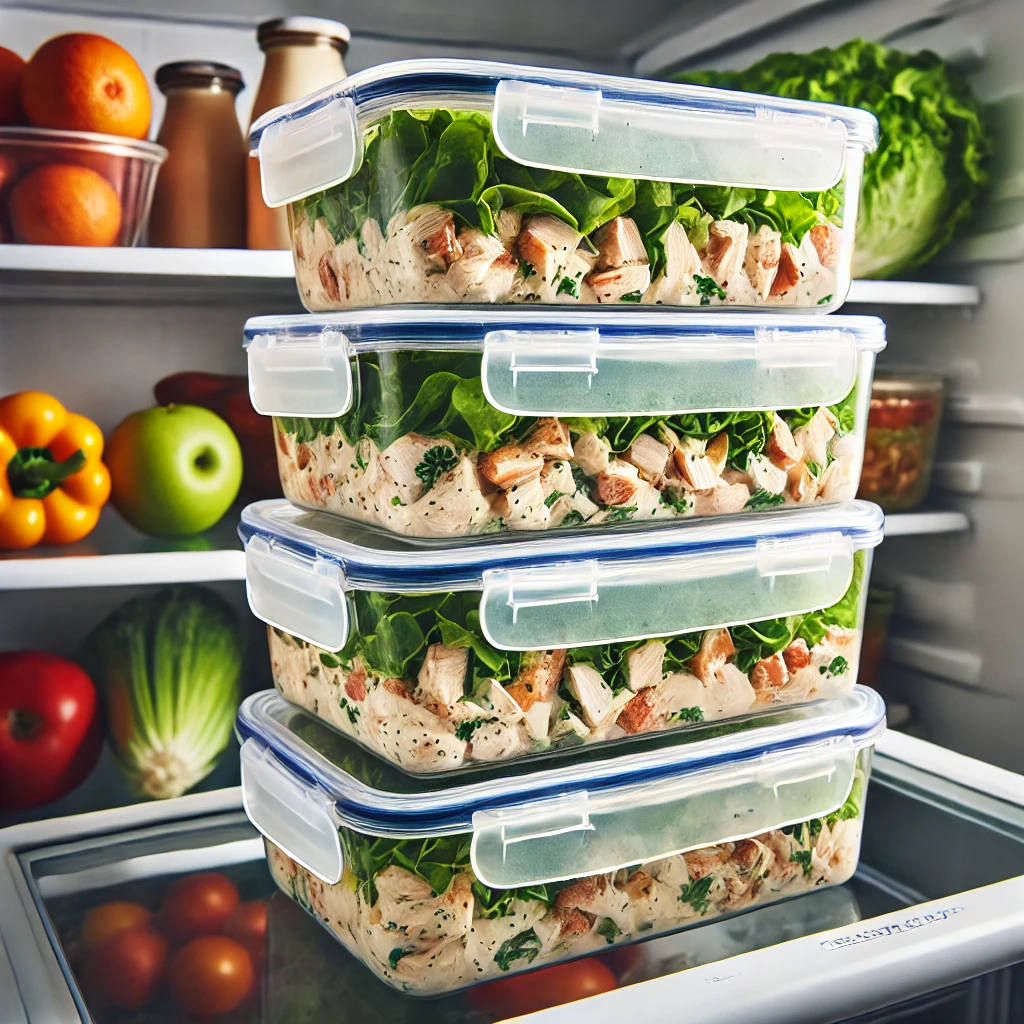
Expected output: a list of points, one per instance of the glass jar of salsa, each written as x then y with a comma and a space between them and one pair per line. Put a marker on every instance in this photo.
903, 427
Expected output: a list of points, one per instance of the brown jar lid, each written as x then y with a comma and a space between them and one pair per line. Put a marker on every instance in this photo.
302, 29
203, 74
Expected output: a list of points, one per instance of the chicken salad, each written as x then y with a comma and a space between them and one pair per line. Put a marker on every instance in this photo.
423, 453
436, 212
419, 685
415, 913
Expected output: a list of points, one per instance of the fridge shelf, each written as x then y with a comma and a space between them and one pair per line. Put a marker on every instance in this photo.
907, 524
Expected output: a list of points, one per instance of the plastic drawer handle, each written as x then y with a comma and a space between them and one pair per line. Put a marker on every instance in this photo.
581, 373
593, 602
593, 833
294, 817
310, 152
586, 132
310, 378
300, 595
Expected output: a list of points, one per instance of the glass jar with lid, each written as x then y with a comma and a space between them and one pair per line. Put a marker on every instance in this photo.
302, 56
200, 193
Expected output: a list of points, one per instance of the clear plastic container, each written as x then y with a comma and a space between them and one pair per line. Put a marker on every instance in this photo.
440, 884
441, 659
471, 181
482, 422
903, 430
129, 165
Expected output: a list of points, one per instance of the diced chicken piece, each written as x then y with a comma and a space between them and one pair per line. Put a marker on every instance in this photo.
573, 286
550, 438
643, 665
720, 501
762, 259
330, 277
355, 682
640, 715
619, 244
730, 693
765, 475
682, 261
401, 458
727, 246
525, 506
538, 720
782, 449
706, 861
485, 270
500, 740
509, 223
695, 467
453, 506
681, 500
540, 672
432, 229
796, 655
572, 922
803, 484
653, 707
638, 886
611, 285
546, 243
441, 677
839, 481
582, 504
591, 453
565, 724
788, 274
716, 648
559, 509
650, 456
768, 675
556, 478
826, 241
616, 489
408, 732
582, 893
717, 451
593, 693
813, 437
510, 465
426, 919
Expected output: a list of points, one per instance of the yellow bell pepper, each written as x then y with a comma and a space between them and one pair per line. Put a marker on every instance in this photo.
52, 482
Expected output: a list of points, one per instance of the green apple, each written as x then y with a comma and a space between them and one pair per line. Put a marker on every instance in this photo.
174, 470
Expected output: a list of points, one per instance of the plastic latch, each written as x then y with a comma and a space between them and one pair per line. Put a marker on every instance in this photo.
294, 816
559, 106
307, 377
808, 555
544, 352
594, 832
301, 595
306, 154
562, 583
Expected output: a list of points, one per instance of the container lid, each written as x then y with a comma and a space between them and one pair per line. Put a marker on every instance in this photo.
569, 121
569, 588
199, 73
571, 362
577, 815
305, 29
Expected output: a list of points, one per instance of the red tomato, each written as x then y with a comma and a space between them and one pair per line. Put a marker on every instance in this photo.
248, 925
198, 905
109, 918
49, 728
552, 986
127, 970
244, 419
211, 975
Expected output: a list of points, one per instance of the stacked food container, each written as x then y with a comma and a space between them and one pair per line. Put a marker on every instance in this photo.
565, 605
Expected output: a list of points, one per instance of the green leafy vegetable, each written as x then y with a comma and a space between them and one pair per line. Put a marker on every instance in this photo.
609, 930
762, 499
707, 289
435, 463
524, 946
803, 858
697, 893
694, 714
931, 168
396, 954
465, 729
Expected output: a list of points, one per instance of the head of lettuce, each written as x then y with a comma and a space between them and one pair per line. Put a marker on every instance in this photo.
924, 181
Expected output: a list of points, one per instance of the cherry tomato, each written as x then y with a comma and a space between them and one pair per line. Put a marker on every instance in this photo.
248, 925
552, 986
198, 905
127, 970
108, 918
211, 975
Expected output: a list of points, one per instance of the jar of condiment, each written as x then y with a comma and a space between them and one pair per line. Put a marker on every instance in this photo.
199, 200
302, 56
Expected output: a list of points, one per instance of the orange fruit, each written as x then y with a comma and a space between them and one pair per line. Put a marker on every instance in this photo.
11, 68
86, 83
64, 204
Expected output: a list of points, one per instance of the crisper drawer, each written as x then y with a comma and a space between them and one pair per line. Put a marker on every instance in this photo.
900, 929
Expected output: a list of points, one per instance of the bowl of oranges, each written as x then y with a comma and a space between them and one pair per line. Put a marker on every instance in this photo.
75, 166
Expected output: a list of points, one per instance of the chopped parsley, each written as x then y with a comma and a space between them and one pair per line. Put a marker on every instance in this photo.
814, 469
707, 289
526, 269
696, 894
552, 498
694, 714
837, 666
803, 858
630, 297
396, 500
395, 955
572, 518
525, 945
824, 300
609, 930
569, 286
436, 462
620, 514
350, 709
465, 729
762, 499
360, 461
